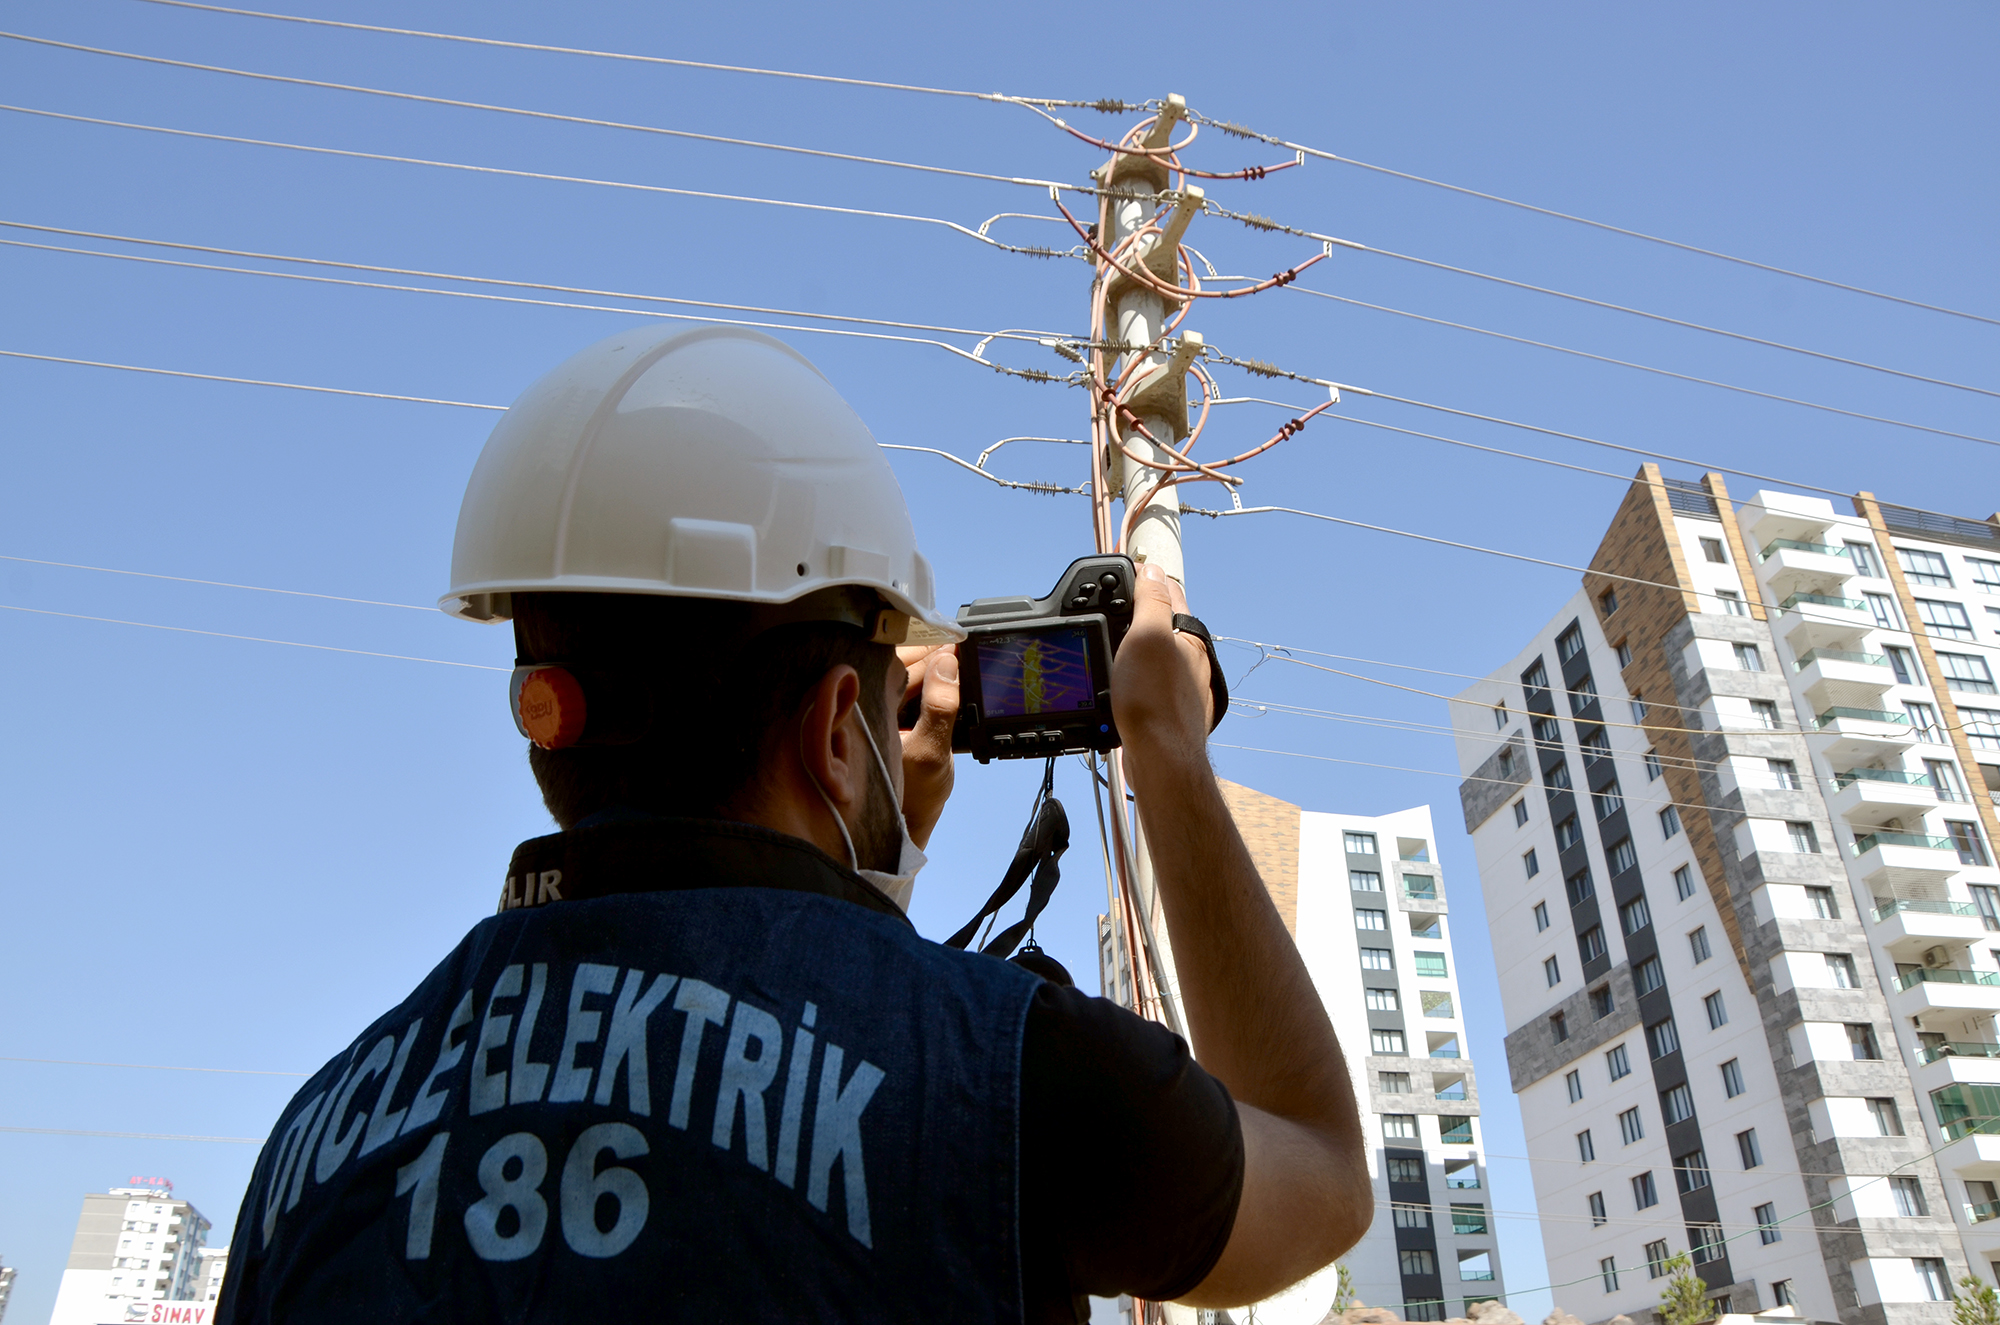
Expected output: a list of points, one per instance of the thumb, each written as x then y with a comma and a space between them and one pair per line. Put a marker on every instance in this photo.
941, 682
1153, 602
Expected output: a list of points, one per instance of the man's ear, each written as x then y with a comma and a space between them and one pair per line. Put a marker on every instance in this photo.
829, 746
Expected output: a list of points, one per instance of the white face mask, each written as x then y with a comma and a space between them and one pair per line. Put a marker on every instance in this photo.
910, 859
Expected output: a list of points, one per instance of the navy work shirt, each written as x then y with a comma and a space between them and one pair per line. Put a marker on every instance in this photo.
699, 1071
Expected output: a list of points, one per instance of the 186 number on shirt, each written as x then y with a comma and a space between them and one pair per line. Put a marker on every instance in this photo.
511, 1175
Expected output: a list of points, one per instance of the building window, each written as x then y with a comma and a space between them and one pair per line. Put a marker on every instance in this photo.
1558, 1027
1535, 678
1417, 1261
1909, 1194
1601, 1005
1764, 715
1579, 887
1606, 801
1888, 1120
1987, 899
1662, 1039
1617, 1064
1585, 1151
1547, 730
1707, 1244
1630, 1128
1607, 1270
1691, 1171
1583, 695
1542, 916
1568, 834
1820, 899
1967, 672
1411, 1216
1569, 643
1698, 944
1623, 857
1804, 839
1598, 1216
1985, 574
1781, 1290
1377, 959
1607, 602
1436, 1004
1648, 976
1683, 882
1364, 881
1551, 971
1784, 774
1399, 1126
1657, 1256
1532, 863
1676, 1105
1711, 550
1863, 557
1861, 1041
1971, 846
1732, 1078
1718, 1015
1406, 1170
1945, 781
1883, 608
1766, 1216
1590, 944
1573, 1082
1732, 602
1557, 776
1520, 812
1924, 721
1670, 822
1367, 919
1982, 727
1595, 746
1634, 915
1944, 620
1430, 964
1747, 1149
1360, 844
1454, 1131
1652, 766
1395, 1083
1903, 663
1747, 658
1387, 1042
1500, 715
1645, 1195
1382, 1000
1624, 650
1921, 567
1931, 1272
1840, 970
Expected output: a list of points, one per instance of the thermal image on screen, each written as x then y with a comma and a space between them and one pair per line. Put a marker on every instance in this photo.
1038, 672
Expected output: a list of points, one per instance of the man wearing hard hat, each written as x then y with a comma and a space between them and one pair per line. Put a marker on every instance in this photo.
700, 1067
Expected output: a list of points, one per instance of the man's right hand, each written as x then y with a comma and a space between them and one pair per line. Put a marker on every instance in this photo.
1159, 681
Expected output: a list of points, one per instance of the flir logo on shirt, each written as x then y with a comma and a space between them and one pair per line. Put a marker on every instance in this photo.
482, 1068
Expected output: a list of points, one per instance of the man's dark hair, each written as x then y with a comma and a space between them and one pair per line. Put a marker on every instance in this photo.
719, 693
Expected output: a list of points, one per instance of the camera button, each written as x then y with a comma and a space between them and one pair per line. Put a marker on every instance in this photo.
1003, 739
1108, 580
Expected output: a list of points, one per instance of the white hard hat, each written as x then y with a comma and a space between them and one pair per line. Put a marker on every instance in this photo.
714, 463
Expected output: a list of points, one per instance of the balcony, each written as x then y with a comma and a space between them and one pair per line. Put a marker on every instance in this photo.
1981, 1212
1946, 990
1853, 736
1420, 888
1793, 566
1842, 678
1880, 792
1776, 525
1945, 1067
1906, 926
1903, 862
1931, 1053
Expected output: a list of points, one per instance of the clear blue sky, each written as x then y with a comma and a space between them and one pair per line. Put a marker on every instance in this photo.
232, 854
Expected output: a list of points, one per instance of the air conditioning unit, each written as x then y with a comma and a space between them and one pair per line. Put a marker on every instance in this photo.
1936, 957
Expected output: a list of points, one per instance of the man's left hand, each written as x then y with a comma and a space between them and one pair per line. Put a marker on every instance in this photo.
927, 764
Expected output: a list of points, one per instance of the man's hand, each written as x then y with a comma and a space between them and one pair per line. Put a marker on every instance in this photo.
1159, 681
927, 765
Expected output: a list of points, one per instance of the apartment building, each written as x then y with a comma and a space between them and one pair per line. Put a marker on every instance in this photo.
1367, 905
133, 1246
1733, 810
6, 1288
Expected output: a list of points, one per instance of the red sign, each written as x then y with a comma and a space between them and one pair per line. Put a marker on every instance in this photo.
149, 1182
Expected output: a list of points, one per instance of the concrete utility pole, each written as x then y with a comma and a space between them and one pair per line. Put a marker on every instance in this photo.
1136, 316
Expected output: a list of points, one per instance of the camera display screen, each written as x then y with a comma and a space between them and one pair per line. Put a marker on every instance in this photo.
1038, 671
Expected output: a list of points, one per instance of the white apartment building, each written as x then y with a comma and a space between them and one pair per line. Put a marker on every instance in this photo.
1367, 904
6, 1288
133, 1246
1732, 808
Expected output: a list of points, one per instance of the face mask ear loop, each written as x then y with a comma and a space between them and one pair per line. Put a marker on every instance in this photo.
853, 861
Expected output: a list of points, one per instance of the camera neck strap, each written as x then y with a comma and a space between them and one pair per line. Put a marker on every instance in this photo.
1039, 854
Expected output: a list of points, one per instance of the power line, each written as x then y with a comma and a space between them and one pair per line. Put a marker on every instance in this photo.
157, 1067
253, 639
218, 584
133, 1136
543, 114
1323, 155
1648, 368
356, 154
646, 59
249, 381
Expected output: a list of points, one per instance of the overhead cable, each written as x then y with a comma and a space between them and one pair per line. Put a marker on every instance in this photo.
157, 1067
355, 154
252, 639
215, 584
1240, 131
133, 1136
543, 114
249, 381
1102, 104
1648, 368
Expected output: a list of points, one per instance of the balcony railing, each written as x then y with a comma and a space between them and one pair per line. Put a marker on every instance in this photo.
1982, 1211
1811, 656
1824, 600
1946, 975
1866, 842
1889, 908
1838, 712
1930, 1053
1842, 781
1977, 1125
1420, 887
1462, 1182
1795, 545
1470, 1275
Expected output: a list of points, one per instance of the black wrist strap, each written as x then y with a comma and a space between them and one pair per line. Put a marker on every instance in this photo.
1218, 688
